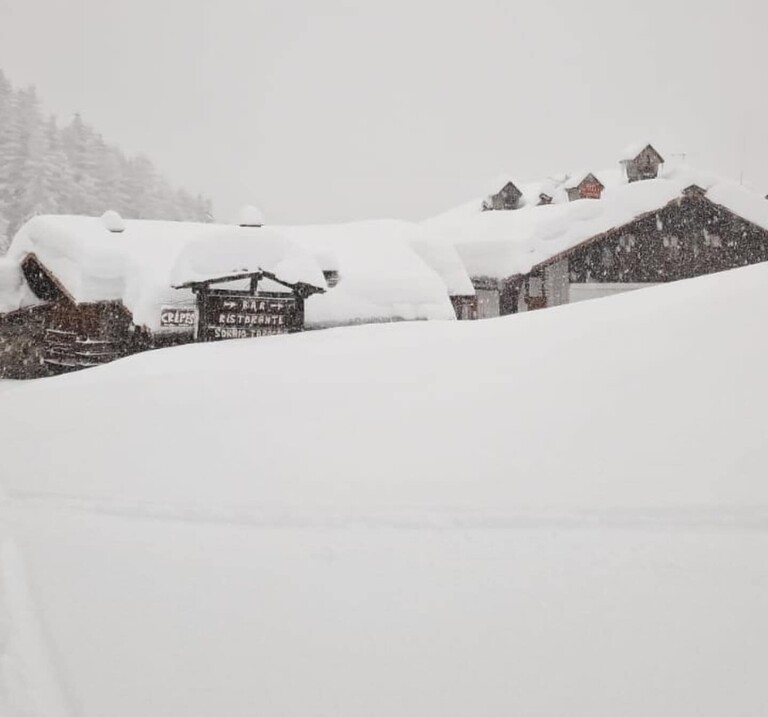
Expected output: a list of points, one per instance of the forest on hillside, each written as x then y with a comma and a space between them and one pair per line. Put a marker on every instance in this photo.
46, 168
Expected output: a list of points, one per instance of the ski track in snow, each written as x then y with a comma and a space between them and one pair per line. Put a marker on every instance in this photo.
28, 683
753, 518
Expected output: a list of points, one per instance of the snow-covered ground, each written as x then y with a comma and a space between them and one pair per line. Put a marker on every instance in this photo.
556, 513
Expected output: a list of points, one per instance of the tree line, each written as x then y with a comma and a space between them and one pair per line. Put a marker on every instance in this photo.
48, 169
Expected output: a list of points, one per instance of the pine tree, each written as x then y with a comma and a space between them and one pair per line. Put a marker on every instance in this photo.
45, 169
6, 106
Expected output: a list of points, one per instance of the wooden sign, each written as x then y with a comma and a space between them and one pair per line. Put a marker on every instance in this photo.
174, 317
238, 316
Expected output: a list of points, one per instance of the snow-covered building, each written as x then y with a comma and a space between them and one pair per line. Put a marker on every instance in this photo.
583, 185
640, 233
507, 198
641, 162
77, 291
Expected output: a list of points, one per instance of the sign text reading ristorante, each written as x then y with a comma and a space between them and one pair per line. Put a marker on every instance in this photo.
229, 316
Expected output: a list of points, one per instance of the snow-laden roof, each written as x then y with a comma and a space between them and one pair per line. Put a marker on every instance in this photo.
251, 216
553, 186
502, 243
14, 292
576, 178
631, 151
140, 265
383, 275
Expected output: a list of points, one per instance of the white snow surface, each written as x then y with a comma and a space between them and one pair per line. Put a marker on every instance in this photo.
388, 270
502, 243
384, 275
557, 513
14, 292
113, 222
251, 216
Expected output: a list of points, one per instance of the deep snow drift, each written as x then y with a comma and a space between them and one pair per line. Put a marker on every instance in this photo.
563, 512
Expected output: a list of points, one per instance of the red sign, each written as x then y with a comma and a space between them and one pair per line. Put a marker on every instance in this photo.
590, 190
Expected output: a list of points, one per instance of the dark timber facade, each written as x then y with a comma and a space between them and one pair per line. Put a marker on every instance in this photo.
688, 237
62, 335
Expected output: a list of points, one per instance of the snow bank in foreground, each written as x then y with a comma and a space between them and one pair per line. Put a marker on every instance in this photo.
563, 512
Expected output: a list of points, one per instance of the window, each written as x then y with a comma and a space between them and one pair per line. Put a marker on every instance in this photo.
671, 241
627, 242
535, 287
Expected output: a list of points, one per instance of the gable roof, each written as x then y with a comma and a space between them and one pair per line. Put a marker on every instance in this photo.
509, 185
578, 178
633, 151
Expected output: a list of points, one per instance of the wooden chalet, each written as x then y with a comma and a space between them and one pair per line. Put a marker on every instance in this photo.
81, 291
584, 186
78, 335
95, 290
641, 163
506, 199
687, 237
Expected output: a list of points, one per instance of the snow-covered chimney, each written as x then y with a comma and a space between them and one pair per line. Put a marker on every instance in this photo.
113, 222
251, 216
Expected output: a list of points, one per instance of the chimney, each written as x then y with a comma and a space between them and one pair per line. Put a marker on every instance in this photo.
251, 217
113, 222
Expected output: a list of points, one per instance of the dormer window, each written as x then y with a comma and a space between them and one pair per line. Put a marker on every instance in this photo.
641, 162
507, 198
331, 277
584, 187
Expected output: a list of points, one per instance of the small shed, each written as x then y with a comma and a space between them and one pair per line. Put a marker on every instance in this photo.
641, 162
507, 198
584, 185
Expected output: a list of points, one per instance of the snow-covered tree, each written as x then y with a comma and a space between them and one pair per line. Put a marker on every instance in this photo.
72, 170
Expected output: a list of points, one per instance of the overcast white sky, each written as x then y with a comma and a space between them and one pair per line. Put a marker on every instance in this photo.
342, 109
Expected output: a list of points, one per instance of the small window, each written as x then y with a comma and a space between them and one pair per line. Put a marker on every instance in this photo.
671, 241
627, 242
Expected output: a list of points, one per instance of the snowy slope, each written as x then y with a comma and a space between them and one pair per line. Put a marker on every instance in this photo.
563, 512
